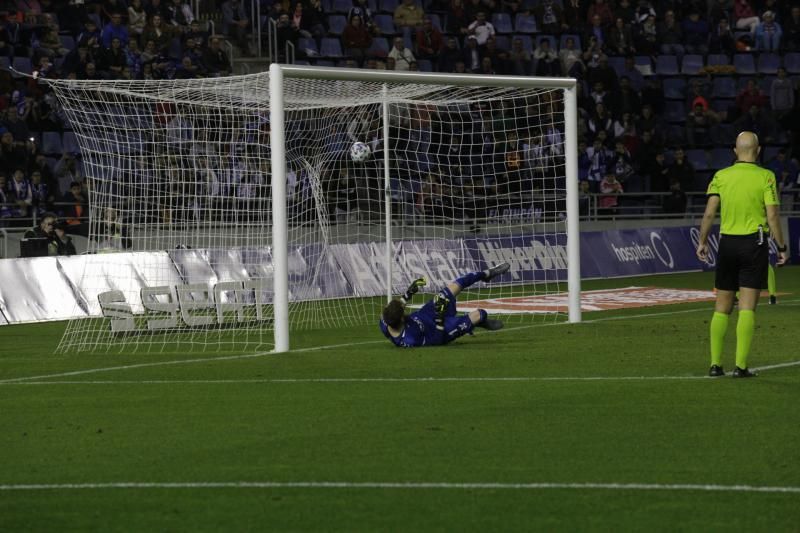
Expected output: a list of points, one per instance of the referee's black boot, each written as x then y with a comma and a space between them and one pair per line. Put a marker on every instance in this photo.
743, 373
716, 371
772, 299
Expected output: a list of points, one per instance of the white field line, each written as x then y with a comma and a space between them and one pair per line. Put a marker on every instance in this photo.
382, 380
402, 485
327, 347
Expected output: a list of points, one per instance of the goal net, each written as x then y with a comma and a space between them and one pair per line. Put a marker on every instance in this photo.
184, 175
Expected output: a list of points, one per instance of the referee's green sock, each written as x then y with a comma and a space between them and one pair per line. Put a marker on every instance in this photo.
719, 324
771, 281
745, 327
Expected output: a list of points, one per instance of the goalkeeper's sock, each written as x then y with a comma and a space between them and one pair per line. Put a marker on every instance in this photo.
469, 279
745, 327
484, 316
719, 325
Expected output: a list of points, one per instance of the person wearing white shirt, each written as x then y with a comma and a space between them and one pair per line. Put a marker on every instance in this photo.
403, 57
481, 28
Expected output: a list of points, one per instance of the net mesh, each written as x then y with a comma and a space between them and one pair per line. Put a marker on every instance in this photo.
179, 174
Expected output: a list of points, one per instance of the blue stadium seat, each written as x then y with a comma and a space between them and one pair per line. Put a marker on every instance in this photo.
51, 143
676, 134
722, 104
718, 59
502, 23
721, 158
667, 65
424, 65
341, 6
71, 142
768, 63
769, 153
724, 87
309, 46
675, 88
387, 6
525, 23
331, 47
617, 63
691, 64
385, 23
5, 62
67, 41
527, 41
744, 63
379, 47
698, 158
503, 42
674, 111
336, 24
436, 22
565, 36
765, 83
644, 64
792, 62
22, 64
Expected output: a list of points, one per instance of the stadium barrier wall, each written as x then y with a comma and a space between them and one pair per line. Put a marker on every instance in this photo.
57, 288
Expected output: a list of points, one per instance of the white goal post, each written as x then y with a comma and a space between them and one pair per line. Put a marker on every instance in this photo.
279, 72
230, 213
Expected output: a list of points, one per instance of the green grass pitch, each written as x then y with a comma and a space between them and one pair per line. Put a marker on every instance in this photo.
610, 426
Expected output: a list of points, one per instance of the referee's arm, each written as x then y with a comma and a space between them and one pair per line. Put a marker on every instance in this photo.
705, 226
774, 221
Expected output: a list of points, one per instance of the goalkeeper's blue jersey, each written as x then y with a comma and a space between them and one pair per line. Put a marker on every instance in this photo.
419, 330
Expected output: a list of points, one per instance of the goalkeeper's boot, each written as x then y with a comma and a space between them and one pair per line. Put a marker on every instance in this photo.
743, 373
716, 371
772, 299
495, 271
492, 324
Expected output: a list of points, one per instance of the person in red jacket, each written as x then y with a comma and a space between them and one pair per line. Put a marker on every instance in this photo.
356, 39
429, 40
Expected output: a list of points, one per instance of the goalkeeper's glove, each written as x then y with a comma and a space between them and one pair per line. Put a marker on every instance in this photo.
414, 288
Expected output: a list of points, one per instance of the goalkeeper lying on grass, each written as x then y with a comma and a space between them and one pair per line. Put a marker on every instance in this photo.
436, 322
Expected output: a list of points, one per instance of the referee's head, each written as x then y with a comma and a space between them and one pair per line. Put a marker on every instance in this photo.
747, 147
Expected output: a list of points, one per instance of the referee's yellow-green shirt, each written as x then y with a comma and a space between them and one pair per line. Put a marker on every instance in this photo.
744, 189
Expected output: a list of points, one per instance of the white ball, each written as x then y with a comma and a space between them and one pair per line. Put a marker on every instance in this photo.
360, 152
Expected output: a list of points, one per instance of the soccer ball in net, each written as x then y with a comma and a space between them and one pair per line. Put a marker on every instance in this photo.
360, 152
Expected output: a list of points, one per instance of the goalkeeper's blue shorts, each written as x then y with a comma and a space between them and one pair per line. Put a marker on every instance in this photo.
454, 326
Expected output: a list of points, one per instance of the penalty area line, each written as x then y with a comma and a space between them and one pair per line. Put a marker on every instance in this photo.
405, 486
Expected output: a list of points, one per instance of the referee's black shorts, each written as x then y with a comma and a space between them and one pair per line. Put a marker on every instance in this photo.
742, 262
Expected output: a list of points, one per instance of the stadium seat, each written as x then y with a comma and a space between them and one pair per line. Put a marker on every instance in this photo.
379, 47
67, 41
765, 83
724, 87
503, 42
676, 134
691, 64
721, 105
617, 63
387, 6
324, 63
525, 23
385, 23
424, 65
341, 6
721, 158
674, 111
769, 153
675, 88
331, 47
336, 24
502, 23
718, 59
768, 63
565, 36
667, 65
22, 64
645, 65
792, 62
744, 64
527, 41
71, 142
51, 143
698, 159
5, 62
309, 46
436, 22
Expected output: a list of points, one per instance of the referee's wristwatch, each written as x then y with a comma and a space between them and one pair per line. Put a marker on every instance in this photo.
782, 248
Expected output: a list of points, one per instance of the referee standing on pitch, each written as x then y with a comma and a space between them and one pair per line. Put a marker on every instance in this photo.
749, 202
